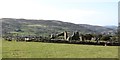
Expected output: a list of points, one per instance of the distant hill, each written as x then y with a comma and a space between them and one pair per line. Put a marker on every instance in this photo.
99, 29
47, 27
111, 27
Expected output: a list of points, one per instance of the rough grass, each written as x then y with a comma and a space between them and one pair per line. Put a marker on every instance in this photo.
53, 50
0, 48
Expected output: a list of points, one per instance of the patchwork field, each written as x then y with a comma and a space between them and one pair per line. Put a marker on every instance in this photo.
56, 50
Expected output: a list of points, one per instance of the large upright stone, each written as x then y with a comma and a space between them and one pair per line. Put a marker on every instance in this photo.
65, 35
75, 36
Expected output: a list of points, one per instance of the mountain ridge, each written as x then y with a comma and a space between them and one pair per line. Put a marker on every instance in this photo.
29, 26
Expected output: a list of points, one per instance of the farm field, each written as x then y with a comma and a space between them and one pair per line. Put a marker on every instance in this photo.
56, 50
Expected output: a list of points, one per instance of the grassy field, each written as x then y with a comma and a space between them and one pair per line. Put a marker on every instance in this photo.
54, 50
0, 48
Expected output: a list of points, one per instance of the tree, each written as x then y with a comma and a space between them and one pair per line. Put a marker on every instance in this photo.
106, 37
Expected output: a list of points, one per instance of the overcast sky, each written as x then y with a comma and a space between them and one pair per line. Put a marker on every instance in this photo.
94, 12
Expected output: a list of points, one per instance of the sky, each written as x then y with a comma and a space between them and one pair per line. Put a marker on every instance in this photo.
93, 12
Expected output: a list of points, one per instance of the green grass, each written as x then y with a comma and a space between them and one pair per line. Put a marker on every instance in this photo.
0, 48
54, 50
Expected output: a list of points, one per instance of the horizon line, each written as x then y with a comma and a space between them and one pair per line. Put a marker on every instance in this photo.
58, 20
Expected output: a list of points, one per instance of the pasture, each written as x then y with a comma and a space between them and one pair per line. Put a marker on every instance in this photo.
13, 49
0, 48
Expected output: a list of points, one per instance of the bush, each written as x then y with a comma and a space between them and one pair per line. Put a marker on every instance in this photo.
106, 38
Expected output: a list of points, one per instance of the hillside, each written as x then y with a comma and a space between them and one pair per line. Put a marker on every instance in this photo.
111, 26
47, 27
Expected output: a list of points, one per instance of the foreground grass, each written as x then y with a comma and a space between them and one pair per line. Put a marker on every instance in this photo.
0, 48
53, 50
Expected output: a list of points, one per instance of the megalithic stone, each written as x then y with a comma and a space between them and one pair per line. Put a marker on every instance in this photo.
77, 35
51, 36
65, 35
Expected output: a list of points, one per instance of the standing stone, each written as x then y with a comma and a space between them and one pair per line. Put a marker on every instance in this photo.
65, 35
